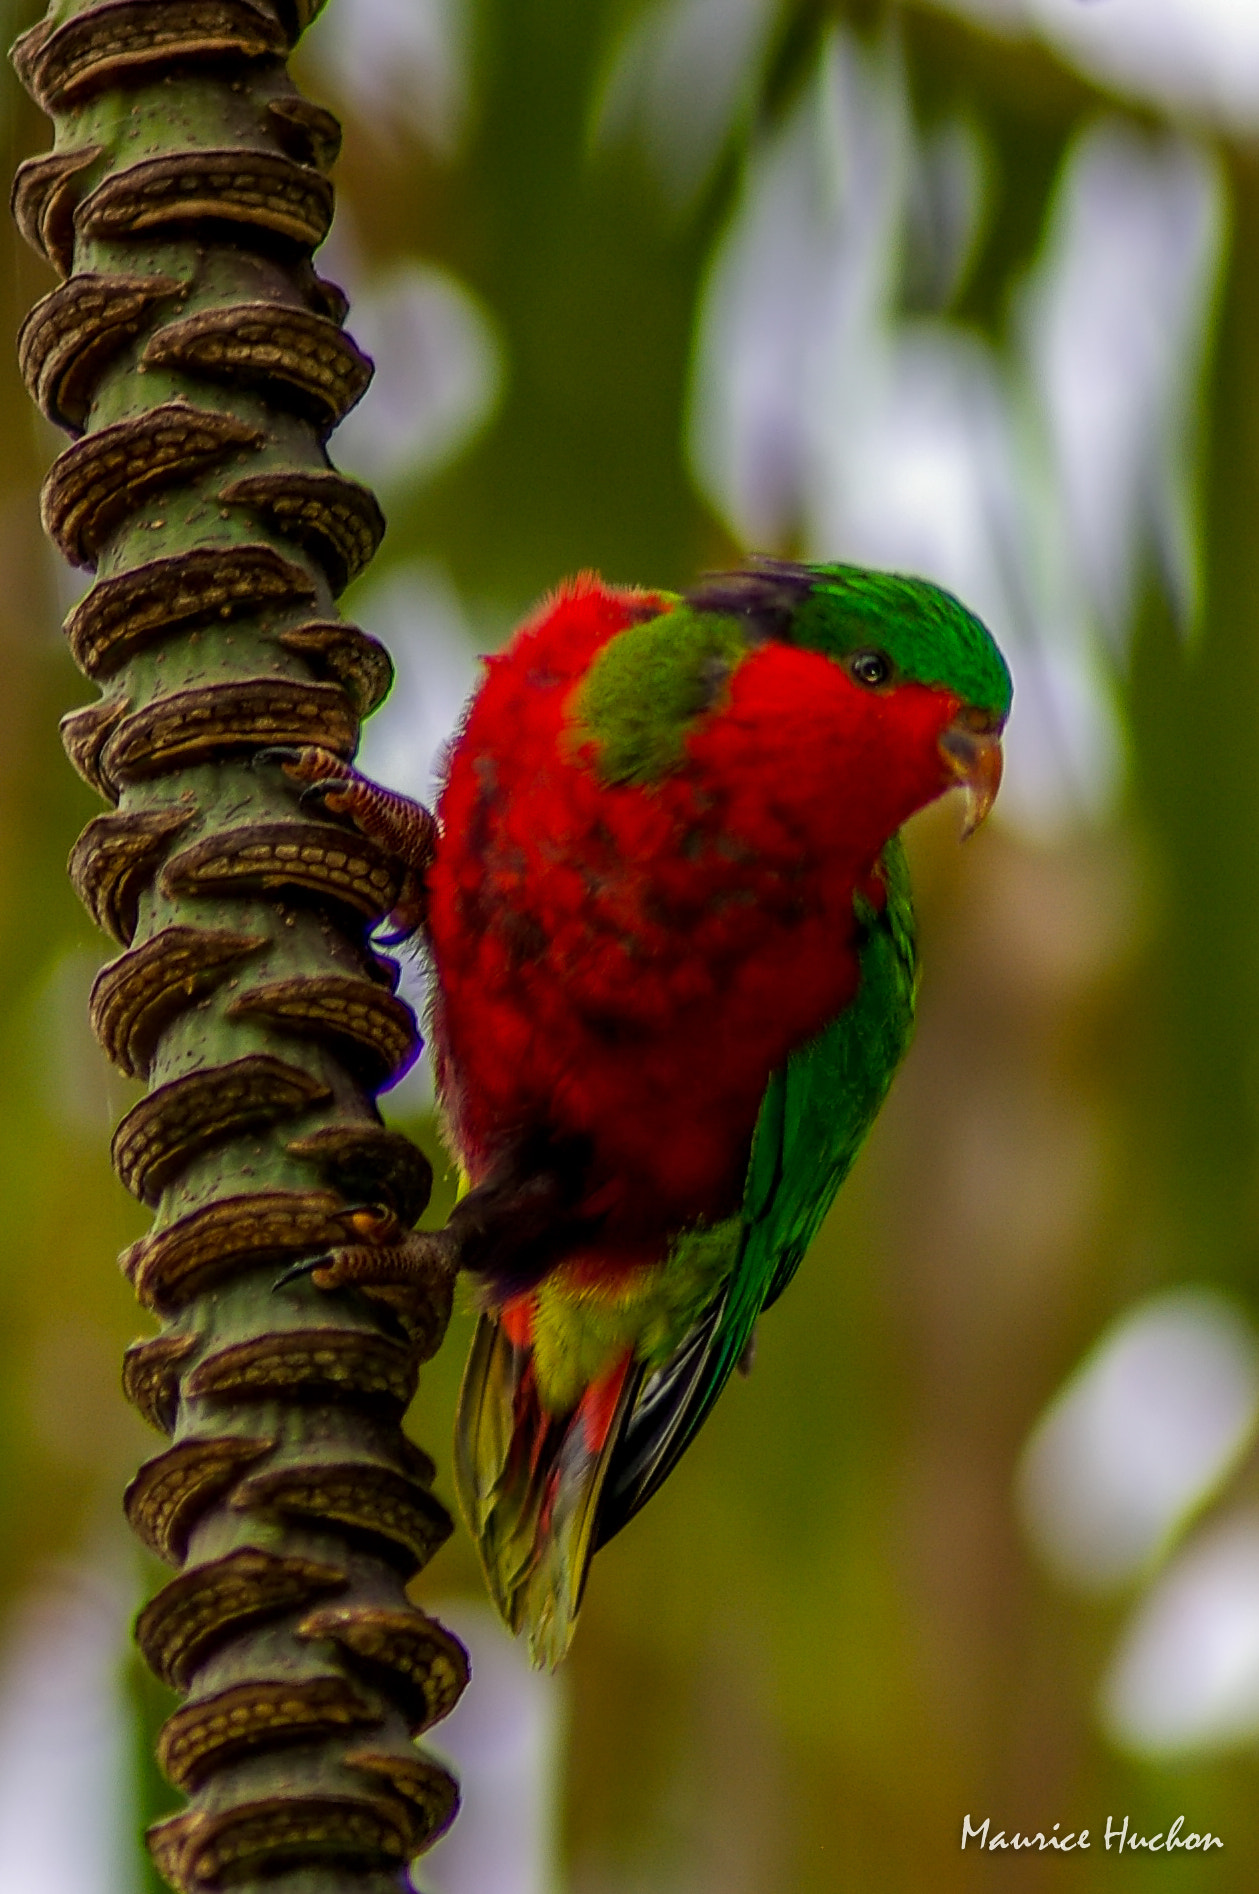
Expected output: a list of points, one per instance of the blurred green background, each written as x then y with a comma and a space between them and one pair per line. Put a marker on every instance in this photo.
967, 289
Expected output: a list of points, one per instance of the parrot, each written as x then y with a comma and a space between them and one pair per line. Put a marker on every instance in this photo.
667, 914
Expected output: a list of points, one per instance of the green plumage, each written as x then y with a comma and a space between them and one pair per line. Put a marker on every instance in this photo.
927, 633
645, 689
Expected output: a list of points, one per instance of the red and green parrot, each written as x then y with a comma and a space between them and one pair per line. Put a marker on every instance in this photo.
673, 972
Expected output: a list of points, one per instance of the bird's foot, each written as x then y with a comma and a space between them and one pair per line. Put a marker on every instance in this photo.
404, 828
411, 1271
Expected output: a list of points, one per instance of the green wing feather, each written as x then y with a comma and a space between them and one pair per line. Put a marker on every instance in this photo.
814, 1119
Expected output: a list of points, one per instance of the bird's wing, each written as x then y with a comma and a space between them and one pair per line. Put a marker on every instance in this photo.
814, 1119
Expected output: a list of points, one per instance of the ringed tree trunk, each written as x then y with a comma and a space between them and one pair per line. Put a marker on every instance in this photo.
200, 363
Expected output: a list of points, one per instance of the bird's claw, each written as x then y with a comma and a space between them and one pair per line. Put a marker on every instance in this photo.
306, 1270
307, 763
371, 1227
280, 755
411, 1272
320, 797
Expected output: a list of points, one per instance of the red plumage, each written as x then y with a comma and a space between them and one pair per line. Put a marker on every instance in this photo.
641, 905
627, 963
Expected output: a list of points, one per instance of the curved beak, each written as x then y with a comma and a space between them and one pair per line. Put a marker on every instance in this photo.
971, 751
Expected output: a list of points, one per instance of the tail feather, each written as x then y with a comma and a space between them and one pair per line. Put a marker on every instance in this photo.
670, 1405
530, 1482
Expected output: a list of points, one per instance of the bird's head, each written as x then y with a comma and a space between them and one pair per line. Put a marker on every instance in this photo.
903, 640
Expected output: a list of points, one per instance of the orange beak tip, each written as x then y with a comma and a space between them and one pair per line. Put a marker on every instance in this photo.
974, 759
975, 812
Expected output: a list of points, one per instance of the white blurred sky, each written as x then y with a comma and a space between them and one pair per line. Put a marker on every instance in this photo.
438, 362
1033, 479
1029, 478
68, 1823
678, 77
411, 62
400, 63
417, 611
1141, 1435
1185, 1676
503, 1739
1196, 56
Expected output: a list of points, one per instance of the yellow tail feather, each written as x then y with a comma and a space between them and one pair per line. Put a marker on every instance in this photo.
529, 1486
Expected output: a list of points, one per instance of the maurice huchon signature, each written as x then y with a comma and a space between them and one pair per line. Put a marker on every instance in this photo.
1116, 1835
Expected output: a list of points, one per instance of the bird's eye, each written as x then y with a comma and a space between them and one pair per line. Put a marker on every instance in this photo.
870, 668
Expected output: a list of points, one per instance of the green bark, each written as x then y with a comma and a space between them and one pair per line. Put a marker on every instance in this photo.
201, 363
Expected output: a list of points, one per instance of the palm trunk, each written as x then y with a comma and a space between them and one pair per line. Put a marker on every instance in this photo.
200, 363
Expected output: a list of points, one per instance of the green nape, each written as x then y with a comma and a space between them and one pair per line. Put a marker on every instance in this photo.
929, 635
